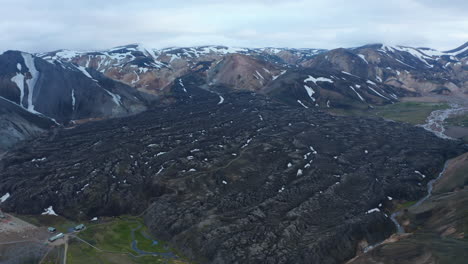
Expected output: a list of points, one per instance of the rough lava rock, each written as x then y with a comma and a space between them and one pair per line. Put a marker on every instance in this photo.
231, 177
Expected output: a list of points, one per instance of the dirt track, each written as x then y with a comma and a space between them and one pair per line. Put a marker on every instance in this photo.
15, 229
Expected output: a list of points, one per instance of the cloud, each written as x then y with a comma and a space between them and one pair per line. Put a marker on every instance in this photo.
38, 26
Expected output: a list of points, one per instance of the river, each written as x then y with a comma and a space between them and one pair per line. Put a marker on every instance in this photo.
435, 121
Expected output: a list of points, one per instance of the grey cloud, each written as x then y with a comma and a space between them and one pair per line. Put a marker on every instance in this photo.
45, 25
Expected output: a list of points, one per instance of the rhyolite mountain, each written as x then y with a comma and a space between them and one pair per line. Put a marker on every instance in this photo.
421, 70
71, 85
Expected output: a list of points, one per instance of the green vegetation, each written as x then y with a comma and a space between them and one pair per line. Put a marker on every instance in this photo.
116, 236
80, 253
409, 112
113, 241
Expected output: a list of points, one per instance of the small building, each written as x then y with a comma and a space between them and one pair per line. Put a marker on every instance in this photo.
51, 229
58, 236
79, 227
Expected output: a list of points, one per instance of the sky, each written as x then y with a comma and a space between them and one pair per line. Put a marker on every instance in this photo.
47, 25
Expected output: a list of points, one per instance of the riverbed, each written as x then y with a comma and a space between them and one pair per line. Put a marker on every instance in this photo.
435, 122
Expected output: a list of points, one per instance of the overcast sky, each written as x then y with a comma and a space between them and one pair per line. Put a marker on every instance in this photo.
45, 25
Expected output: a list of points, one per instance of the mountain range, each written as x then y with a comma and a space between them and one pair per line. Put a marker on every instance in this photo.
229, 154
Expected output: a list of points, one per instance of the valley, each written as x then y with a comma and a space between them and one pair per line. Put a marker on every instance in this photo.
434, 227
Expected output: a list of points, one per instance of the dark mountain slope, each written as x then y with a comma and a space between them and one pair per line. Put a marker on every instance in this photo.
420, 70
331, 89
18, 124
63, 91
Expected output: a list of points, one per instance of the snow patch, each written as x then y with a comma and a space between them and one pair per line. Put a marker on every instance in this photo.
420, 174
19, 80
379, 94
319, 79
347, 73
310, 92
305, 106
363, 58
259, 75
373, 210
115, 97
182, 84
49, 211
276, 76
221, 99
29, 61
85, 72
4, 197
360, 97
73, 99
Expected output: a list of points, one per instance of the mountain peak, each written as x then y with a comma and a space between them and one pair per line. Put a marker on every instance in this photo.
459, 50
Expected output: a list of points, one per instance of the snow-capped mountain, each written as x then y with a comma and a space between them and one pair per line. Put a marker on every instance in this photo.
63, 91
152, 71
78, 85
420, 70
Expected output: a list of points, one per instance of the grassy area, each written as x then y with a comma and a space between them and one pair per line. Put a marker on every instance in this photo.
80, 253
116, 236
115, 239
405, 205
409, 112
112, 236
